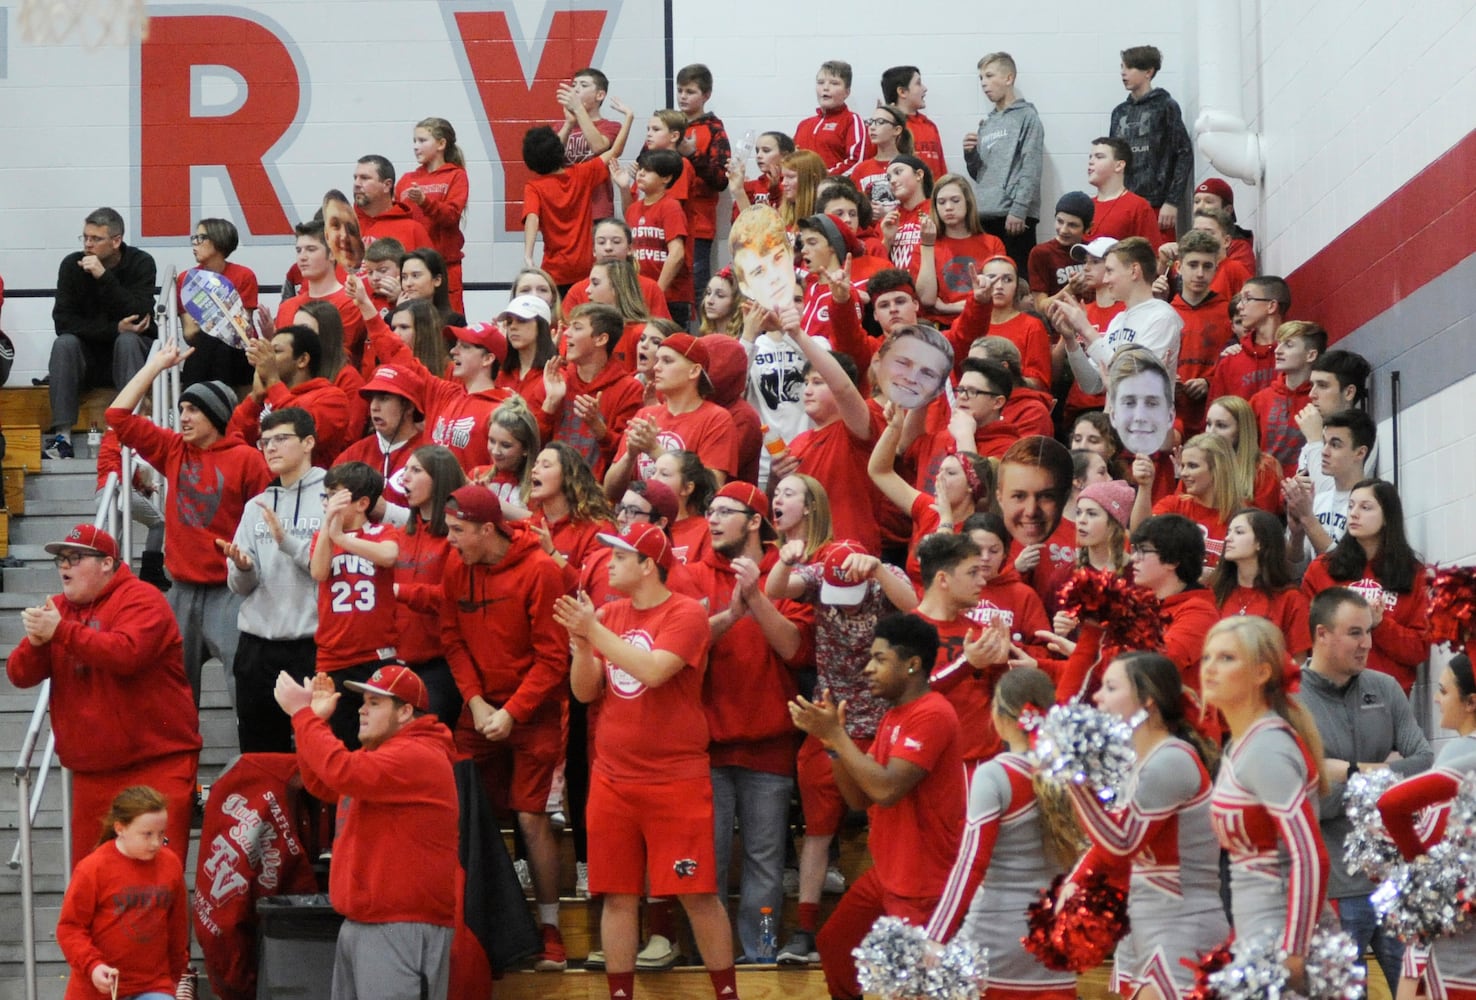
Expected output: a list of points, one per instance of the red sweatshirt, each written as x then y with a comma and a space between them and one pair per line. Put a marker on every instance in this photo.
839, 137
208, 490
747, 687
131, 914
620, 397
498, 631
1286, 609
575, 540
419, 573
446, 195
1030, 411
326, 402
396, 222
395, 801
351, 380
1401, 639
123, 649
1276, 408
1243, 374
390, 465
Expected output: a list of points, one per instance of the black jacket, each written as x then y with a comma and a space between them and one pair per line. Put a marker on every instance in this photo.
91, 307
1163, 158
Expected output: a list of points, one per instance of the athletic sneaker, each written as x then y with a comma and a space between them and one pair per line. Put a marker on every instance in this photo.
835, 882
554, 957
59, 447
525, 875
800, 950
659, 953
595, 959
581, 879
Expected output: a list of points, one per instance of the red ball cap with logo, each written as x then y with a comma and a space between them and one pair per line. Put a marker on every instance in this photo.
483, 335
476, 504
88, 538
646, 540
836, 586
395, 681
392, 381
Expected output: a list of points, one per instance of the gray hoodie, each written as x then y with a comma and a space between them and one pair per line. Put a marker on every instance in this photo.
281, 597
1007, 164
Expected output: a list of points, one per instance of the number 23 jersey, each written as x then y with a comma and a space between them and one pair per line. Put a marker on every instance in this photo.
356, 606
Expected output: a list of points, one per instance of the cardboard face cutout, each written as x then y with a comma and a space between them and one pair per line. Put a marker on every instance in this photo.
341, 229
1142, 412
763, 258
915, 369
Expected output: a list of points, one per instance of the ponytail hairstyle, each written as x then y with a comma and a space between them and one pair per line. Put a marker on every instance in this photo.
1155, 678
446, 477
514, 416
699, 477
1060, 835
440, 128
1261, 642
128, 805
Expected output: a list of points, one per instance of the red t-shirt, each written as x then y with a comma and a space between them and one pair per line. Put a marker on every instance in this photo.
631, 712
653, 228
927, 144
576, 150
1050, 267
836, 458
1124, 216
969, 691
707, 430
354, 332
915, 841
563, 203
356, 606
909, 236
1210, 523
691, 539
952, 257
1030, 336
871, 180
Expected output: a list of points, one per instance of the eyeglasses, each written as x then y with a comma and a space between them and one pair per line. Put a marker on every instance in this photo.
631, 510
966, 392
1144, 550
275, 440
67, 560
881, 121
88, 241
1253, 298
715, 512
199, 238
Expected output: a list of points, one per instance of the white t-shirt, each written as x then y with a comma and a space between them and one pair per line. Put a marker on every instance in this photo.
1153, 324
774, 387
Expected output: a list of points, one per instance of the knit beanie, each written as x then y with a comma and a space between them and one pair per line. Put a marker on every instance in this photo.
1079, 204
214, 399
1115, 496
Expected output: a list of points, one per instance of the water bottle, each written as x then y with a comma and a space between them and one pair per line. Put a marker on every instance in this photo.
768, 936
744, 149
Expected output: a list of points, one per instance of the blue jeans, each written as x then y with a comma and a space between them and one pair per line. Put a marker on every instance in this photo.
1359, 921
761, 802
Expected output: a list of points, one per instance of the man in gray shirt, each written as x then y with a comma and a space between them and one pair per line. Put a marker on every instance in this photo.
1366, 723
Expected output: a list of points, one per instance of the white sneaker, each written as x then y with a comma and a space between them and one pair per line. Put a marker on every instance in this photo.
658, 953
581, 879
835, 882
525, 875
791, 883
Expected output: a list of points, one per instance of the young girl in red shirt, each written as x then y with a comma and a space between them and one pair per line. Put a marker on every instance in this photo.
1257, 474
512, 441
569, 507
436, 192
1253, 579
1374, 558
1207, 491
944, 287
769, 150
124, 925
694, 486
888, 131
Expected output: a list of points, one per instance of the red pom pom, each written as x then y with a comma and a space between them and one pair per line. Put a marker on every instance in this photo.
1080, 933
1209, 963
1131, 617
1453, 605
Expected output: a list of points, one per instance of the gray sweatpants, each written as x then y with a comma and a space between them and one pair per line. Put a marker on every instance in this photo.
400, 961
207, 624
76, 363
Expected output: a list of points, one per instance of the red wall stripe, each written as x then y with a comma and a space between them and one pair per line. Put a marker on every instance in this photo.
1410, 238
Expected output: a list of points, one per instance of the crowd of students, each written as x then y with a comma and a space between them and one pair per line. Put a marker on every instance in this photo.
707, 572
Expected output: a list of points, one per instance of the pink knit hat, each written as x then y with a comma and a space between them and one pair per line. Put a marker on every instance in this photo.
1115, 497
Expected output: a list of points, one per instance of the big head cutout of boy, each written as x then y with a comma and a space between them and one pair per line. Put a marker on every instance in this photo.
1140, 400
763, 258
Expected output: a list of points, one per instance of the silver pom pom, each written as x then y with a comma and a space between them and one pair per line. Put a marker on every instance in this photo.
1367, 848
1080, 745
1257, 972
897, 961
1335, 969
1434, 896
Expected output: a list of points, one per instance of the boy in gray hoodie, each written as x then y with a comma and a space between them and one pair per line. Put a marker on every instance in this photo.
267, 564
1005, 158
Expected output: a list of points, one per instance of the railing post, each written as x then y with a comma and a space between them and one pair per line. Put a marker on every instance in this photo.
28, 891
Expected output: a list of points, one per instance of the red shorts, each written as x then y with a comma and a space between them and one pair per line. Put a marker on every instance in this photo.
821, 800
517, 772
664, 829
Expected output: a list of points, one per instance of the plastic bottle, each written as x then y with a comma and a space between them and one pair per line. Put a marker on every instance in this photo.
744, 149
768, 935
774, 445
94, 437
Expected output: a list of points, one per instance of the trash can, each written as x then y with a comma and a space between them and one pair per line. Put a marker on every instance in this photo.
296, 940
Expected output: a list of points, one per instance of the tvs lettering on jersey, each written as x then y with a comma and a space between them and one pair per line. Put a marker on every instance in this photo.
622, 684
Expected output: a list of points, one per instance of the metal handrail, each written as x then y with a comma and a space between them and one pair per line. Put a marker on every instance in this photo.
115, 515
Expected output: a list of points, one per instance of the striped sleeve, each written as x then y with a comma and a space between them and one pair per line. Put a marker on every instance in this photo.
1402, 806
855, 146
989, 799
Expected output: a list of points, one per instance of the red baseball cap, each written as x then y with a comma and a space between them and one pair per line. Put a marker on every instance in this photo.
483, 335
391, 380
396, 681
662, 498
88, 537
835, 586
646, 540
753, 498
475, 503
1217, 187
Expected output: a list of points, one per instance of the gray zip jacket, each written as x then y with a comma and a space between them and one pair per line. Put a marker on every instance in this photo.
281, 597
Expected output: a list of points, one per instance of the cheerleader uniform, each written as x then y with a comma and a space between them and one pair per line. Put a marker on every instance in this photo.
1164, 832
1000, 870
1265, 816
1415, 811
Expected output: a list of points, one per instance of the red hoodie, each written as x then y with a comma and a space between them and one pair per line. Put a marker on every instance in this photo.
419, 572
1401, 639
119, 697
839, 137
747, 687
395, 222
1029, 410
620, 397
446, 195
394, 802
208, 490
1246, 373
326, 402
1276, 408
575, 540
498, 630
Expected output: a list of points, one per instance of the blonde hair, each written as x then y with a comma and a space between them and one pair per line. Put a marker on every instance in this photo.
514, 416
1225, 497
1245, 457
1261, 642
818, 529
810, 171
1059, 833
